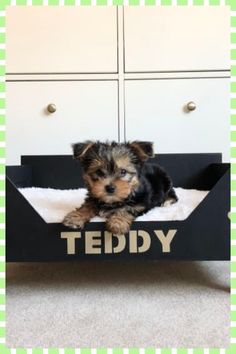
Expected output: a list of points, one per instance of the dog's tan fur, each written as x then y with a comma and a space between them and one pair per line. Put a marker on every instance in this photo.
78, 217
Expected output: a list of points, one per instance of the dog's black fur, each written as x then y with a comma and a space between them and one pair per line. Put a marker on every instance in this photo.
155, 187
139, 184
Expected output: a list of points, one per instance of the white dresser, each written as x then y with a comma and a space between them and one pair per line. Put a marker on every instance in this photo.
151, 73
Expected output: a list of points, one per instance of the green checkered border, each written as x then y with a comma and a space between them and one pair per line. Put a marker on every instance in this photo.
232, 346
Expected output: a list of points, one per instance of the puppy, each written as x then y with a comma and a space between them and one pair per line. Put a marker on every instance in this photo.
121, 184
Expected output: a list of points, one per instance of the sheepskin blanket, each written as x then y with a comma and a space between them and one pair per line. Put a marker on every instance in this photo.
53, 204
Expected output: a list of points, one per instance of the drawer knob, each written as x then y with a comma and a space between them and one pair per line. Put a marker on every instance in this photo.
191, 106
51, 108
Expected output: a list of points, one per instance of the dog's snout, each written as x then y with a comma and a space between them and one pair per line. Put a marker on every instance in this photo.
110, 188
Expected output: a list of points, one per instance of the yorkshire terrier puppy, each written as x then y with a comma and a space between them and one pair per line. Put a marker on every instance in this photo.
121, 184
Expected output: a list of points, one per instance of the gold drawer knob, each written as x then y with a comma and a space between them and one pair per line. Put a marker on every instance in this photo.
51, 108
191, 106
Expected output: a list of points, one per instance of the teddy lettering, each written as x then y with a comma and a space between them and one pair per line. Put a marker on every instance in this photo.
98, 242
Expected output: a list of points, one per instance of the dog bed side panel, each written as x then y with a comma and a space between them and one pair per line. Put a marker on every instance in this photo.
63, 172
207, 229
24, 226
21, 176
59, 172
188, 170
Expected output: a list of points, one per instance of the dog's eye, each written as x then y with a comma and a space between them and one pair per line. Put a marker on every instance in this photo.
123, 172
100, 173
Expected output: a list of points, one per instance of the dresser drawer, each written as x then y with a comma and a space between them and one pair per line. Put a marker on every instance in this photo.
176, 38
59, 39
84, 110
158, 110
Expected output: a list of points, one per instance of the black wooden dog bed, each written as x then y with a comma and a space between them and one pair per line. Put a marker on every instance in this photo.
204, 235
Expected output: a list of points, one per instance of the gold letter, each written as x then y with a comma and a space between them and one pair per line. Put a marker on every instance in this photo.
121, 243
91, 241
165, 240
133, 241
146, 241
108, 243
70, 236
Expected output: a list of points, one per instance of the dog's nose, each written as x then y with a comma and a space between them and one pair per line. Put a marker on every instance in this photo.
110, 188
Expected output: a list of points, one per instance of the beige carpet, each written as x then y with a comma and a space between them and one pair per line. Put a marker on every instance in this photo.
110, 304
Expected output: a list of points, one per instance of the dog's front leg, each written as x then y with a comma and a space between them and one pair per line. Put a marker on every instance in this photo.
119, 222
78, 217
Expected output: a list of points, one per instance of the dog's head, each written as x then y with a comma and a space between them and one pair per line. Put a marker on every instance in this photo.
112, 170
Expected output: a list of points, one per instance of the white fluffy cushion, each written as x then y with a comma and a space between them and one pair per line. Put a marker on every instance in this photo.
54, 204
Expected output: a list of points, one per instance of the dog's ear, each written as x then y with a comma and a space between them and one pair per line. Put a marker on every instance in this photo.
81, 149
143, 149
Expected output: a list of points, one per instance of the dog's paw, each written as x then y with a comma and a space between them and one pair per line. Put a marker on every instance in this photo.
74, 220
118, 225
169, 202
